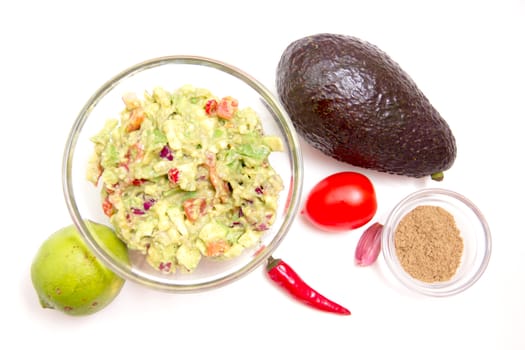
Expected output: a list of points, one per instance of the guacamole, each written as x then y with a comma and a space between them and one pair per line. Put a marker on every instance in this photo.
186, 175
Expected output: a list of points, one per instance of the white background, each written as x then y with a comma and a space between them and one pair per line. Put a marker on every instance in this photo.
466, 56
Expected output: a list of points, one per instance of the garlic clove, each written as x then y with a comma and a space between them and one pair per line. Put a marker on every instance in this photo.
369, 245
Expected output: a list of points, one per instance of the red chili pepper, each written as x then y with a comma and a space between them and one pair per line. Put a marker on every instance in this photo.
138, 182
173, 175
281, 273
211, 107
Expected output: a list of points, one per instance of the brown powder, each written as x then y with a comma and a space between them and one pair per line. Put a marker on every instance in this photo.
428, 244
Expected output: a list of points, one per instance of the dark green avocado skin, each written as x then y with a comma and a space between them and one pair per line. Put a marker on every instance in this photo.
351, 101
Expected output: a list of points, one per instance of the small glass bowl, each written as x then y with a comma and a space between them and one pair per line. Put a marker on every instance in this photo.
474, 231
172, 72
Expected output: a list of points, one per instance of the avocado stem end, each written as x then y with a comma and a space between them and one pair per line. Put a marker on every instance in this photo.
439, 176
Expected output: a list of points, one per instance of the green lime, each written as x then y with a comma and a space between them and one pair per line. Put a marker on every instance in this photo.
69, 278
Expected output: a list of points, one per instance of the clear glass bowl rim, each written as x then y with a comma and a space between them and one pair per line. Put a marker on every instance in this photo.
388, 248
286, 125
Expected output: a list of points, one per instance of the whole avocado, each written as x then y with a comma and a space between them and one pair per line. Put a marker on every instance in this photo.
351, 101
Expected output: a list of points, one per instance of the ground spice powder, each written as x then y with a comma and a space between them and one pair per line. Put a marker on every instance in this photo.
428, 244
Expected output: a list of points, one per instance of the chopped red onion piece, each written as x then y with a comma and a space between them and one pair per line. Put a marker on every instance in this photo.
165, 267
137, 211
149, 203
165, 152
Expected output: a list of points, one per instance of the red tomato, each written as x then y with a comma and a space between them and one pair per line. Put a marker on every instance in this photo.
341, 201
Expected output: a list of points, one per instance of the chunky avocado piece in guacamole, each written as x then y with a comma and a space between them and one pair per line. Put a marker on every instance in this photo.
186, 175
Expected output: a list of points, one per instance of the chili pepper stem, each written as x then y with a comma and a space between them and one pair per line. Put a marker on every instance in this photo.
272, 262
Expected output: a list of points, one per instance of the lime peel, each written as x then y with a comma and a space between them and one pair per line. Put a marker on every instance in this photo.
68, 277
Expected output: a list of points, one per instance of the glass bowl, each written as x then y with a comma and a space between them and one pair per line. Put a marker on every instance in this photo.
172, 72
473, 229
